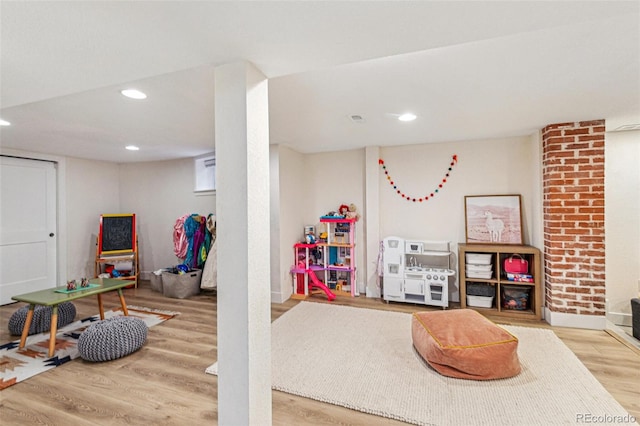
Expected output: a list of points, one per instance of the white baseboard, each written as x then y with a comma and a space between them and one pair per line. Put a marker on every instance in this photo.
278, 297
561, 319
619, 318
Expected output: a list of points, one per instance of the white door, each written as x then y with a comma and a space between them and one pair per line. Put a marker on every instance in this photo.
27, 226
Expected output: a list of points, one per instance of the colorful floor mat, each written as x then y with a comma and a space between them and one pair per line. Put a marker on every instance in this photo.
17, 365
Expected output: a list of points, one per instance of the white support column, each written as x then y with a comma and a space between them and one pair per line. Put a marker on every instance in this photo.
242, 210
372, 219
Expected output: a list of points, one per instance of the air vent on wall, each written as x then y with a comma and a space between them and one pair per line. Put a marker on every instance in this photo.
627, 127
356, 118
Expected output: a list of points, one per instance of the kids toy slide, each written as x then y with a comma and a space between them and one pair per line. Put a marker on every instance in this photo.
315, 282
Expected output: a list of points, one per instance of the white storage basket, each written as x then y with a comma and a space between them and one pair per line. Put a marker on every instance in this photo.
482, 275
478, 258
470, 267
480, 301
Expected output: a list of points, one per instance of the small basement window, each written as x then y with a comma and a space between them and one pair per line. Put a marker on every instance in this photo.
205, 173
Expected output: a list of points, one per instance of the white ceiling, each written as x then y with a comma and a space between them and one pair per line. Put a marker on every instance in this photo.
469, 70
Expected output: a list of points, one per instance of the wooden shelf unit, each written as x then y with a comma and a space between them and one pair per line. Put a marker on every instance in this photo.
499, 279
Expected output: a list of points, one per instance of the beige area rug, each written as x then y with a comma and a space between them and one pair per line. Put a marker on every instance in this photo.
364, 359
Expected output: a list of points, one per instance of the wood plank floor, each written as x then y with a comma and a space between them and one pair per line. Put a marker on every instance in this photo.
164, 383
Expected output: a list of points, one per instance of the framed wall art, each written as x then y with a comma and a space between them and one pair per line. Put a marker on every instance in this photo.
493, 219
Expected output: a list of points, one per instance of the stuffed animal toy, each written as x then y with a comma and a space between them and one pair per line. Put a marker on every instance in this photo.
352, 213
343, 210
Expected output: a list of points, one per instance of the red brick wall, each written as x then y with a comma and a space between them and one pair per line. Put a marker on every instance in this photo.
573, 188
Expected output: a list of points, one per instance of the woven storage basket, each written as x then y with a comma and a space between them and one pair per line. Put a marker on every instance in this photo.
156, 282
181, 286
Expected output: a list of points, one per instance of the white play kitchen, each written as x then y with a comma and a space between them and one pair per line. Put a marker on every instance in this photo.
416, 271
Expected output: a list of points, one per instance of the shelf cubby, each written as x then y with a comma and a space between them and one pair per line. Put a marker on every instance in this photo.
514, 299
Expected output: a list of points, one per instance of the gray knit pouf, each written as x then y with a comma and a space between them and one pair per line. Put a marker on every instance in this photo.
112, 338
41, 321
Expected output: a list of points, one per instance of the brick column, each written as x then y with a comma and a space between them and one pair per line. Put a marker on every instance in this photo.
573, 188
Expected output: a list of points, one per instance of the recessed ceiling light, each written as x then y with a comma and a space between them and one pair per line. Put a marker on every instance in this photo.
407, 117
4, 123
133, 94
132, 148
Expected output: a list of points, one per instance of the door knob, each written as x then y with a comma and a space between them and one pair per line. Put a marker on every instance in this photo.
51, 234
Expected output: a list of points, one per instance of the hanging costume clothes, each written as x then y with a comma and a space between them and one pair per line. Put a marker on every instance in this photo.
206, 245
192, 240
210, 271
180, 243
199, 237
190, 226
195, 230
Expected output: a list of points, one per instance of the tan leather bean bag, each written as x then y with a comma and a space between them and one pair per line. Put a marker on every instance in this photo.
464, 344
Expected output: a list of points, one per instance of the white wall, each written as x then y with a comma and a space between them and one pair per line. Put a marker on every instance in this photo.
371, 222
503, 166
622, 223
159, 193
293, 209
92, 189
310, 186
276, 276
334, 179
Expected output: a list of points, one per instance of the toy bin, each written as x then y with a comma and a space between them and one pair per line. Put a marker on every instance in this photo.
156, 279
480, 289
478, 258
156, 282
480, 301
478, 274
181, 286
515, 297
